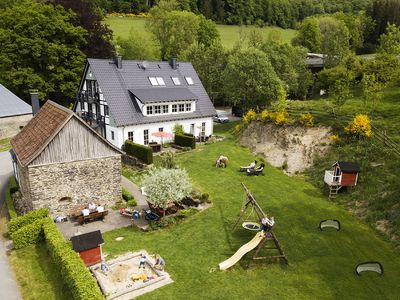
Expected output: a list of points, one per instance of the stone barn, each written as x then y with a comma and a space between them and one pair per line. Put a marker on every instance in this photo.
60, 162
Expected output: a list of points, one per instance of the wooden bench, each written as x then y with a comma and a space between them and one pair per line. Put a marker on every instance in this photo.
92, 217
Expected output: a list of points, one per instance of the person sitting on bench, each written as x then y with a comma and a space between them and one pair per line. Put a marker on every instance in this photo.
252, 165
92, 206
257, 170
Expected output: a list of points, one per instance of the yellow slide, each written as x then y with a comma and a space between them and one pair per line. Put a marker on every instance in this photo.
242, 251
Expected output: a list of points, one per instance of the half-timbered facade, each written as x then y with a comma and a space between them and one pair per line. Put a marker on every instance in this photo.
134, 99
60, 162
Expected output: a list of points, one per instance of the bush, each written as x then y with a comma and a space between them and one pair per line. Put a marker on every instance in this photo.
24, 220
144, 153
281, 118
334, 138
168, 160
266, 115
306, 119
126, 195
11, 188
72, 269
204, 197
29, 234
250, 116
131, 202
185, 140
178, 129
360, 126
184, 213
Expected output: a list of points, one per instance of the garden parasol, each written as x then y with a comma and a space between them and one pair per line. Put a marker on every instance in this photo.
162, 135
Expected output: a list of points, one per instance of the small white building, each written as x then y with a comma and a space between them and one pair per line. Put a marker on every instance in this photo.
134, 99
15, 113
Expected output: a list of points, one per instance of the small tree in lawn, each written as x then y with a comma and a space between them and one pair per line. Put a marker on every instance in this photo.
164, 186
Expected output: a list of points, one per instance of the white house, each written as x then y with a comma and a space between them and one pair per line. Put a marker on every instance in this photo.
125, 99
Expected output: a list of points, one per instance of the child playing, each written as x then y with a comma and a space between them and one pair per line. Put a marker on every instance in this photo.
143, 259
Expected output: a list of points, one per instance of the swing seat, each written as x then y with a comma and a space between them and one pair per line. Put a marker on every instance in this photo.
251, 226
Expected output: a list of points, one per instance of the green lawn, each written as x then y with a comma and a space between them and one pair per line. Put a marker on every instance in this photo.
36, 275
5, 144
229, 33
321, 264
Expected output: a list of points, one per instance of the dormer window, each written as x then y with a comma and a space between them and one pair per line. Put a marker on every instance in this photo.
176, 80
149, 110
188, 106
181, 107
156, 81
189, 80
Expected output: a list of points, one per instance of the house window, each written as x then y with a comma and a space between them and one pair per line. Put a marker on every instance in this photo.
113, 136
161, 129
146, 136
160, 81
153, 81
149, 110
188, 106
203, 129
189, 80
106, 110
82, 104
181, 107
192, 129
165, 109
157, 109
176, 80
174, 108
130, 135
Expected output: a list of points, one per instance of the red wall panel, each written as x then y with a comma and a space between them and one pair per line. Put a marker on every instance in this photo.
91, 257
349, 179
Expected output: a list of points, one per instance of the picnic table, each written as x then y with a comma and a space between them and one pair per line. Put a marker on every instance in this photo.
93, 216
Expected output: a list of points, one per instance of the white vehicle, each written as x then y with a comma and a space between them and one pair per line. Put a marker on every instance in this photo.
220, 117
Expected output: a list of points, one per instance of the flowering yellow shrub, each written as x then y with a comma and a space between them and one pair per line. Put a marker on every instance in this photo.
129, 15
266, 115
250, 116
334, 138
238, 128
307, 119
281, 118
360, 126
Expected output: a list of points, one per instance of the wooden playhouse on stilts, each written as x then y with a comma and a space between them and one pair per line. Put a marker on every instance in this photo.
342, 174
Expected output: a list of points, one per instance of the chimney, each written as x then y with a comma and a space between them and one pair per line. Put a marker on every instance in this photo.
35, 101
173, 63
118, 61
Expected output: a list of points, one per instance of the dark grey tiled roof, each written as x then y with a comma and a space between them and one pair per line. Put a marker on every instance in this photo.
115, 85
11, 105
158, 94
350, 167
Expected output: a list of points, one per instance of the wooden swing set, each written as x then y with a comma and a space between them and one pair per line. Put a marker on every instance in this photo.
251, 203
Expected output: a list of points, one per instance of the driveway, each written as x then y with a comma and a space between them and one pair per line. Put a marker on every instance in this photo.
8, 286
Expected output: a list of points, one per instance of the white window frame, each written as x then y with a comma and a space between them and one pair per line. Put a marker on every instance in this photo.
174, 108
165, 109
181, 107
157, 109
188, 106
112, 135
149, 110
146, 137
189, 80
130, 135
176, 80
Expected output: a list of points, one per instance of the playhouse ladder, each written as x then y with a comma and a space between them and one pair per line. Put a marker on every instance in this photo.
333, 191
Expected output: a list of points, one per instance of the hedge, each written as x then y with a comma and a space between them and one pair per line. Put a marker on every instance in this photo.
12, 185
29, 234
72, 269
144, 153
24, 220
185, 140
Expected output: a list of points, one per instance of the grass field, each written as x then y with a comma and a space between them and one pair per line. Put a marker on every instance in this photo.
229, 33
36, 275
321, 264
5, 144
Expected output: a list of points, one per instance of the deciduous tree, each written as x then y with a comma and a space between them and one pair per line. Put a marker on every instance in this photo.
40, 49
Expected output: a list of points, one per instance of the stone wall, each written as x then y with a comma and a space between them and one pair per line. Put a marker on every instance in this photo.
11, 126
62, 186
22, 200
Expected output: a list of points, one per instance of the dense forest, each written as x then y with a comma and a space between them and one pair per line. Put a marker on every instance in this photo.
282, 13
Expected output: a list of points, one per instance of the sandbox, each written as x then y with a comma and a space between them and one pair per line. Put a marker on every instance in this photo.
118, 282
